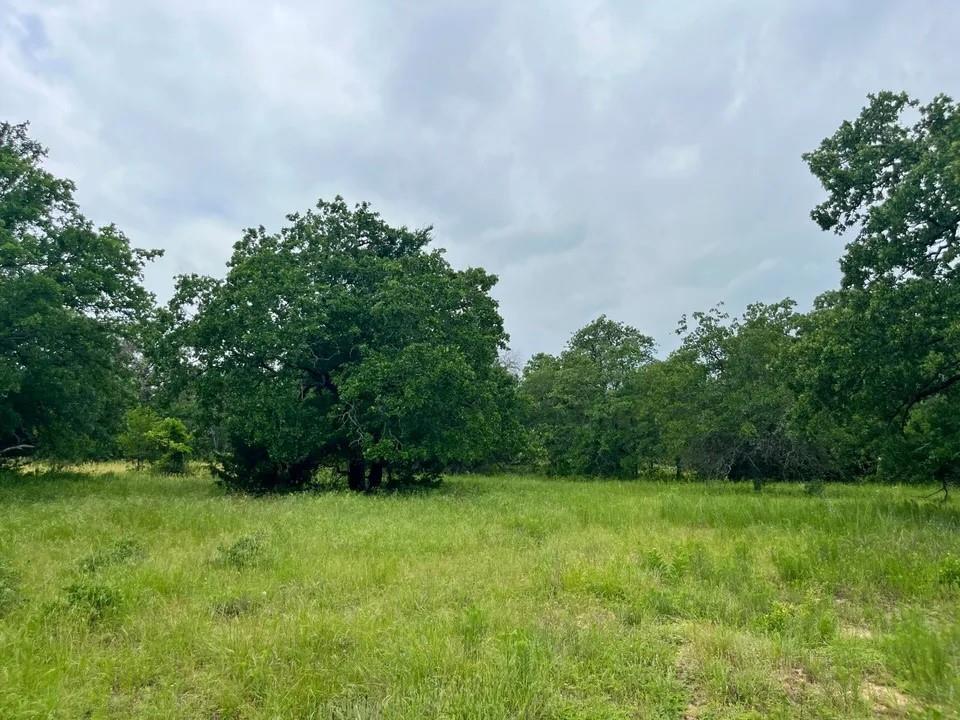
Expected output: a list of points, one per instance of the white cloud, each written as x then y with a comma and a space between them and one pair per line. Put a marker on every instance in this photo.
674, 161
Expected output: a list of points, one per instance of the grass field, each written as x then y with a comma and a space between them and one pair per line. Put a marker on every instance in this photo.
126, 595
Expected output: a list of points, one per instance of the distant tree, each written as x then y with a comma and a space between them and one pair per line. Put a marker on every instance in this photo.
512, 443
733, 417
881, 356
667, 402
135, 441
573, 403
170, 441
69, 295
340, 342
163, 442
614, 350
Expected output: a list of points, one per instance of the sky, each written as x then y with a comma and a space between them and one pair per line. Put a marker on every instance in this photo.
636, 159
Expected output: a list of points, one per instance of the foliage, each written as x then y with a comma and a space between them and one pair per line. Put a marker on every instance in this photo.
868, 382
135, 442
896, 186
742, 405
574, 405
342, 342
720, 405
69, 294
171, 441
880, 358
163, 442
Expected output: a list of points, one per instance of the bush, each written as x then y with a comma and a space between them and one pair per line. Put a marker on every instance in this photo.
162, 442
244, 552
249, 468
94, 601
171, 439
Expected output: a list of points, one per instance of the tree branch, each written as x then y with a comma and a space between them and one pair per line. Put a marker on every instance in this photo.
929, 391
14, 448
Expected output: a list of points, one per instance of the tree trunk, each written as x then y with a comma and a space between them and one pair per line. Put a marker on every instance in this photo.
375, 478
300, 473
942, 475
355, 475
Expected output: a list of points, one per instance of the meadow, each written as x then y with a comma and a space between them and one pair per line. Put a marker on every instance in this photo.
134, 595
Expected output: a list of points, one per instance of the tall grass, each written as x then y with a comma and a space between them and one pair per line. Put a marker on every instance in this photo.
133, 595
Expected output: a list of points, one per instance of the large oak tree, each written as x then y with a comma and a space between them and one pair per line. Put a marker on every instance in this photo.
341, 342
880, 358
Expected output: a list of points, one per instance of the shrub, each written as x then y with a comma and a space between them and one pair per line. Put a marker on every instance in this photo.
163, 442
171, 439
134, 441
244, 552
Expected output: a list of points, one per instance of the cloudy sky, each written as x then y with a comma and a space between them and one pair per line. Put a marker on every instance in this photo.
639, 159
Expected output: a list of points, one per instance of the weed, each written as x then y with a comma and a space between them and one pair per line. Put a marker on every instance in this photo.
9, 588
233, 607
118, 553
792, 565
244, 552
473, 626
950, 570
93, 601
814, 488
776, 619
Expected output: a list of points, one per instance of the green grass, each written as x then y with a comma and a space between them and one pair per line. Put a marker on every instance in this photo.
126, 595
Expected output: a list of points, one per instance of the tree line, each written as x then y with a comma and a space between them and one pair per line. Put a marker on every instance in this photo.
342, 343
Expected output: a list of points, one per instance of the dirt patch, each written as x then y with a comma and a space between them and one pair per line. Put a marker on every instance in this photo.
593, 618
856, 631
693, 711
798, 683
686, 667
886, 701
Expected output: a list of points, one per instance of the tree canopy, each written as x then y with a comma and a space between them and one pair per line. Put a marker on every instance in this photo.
70, 295
896, 186
881, 356
341, 341
572, 402
345, 343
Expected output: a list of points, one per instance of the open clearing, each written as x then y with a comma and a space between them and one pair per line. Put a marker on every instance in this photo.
135, 595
